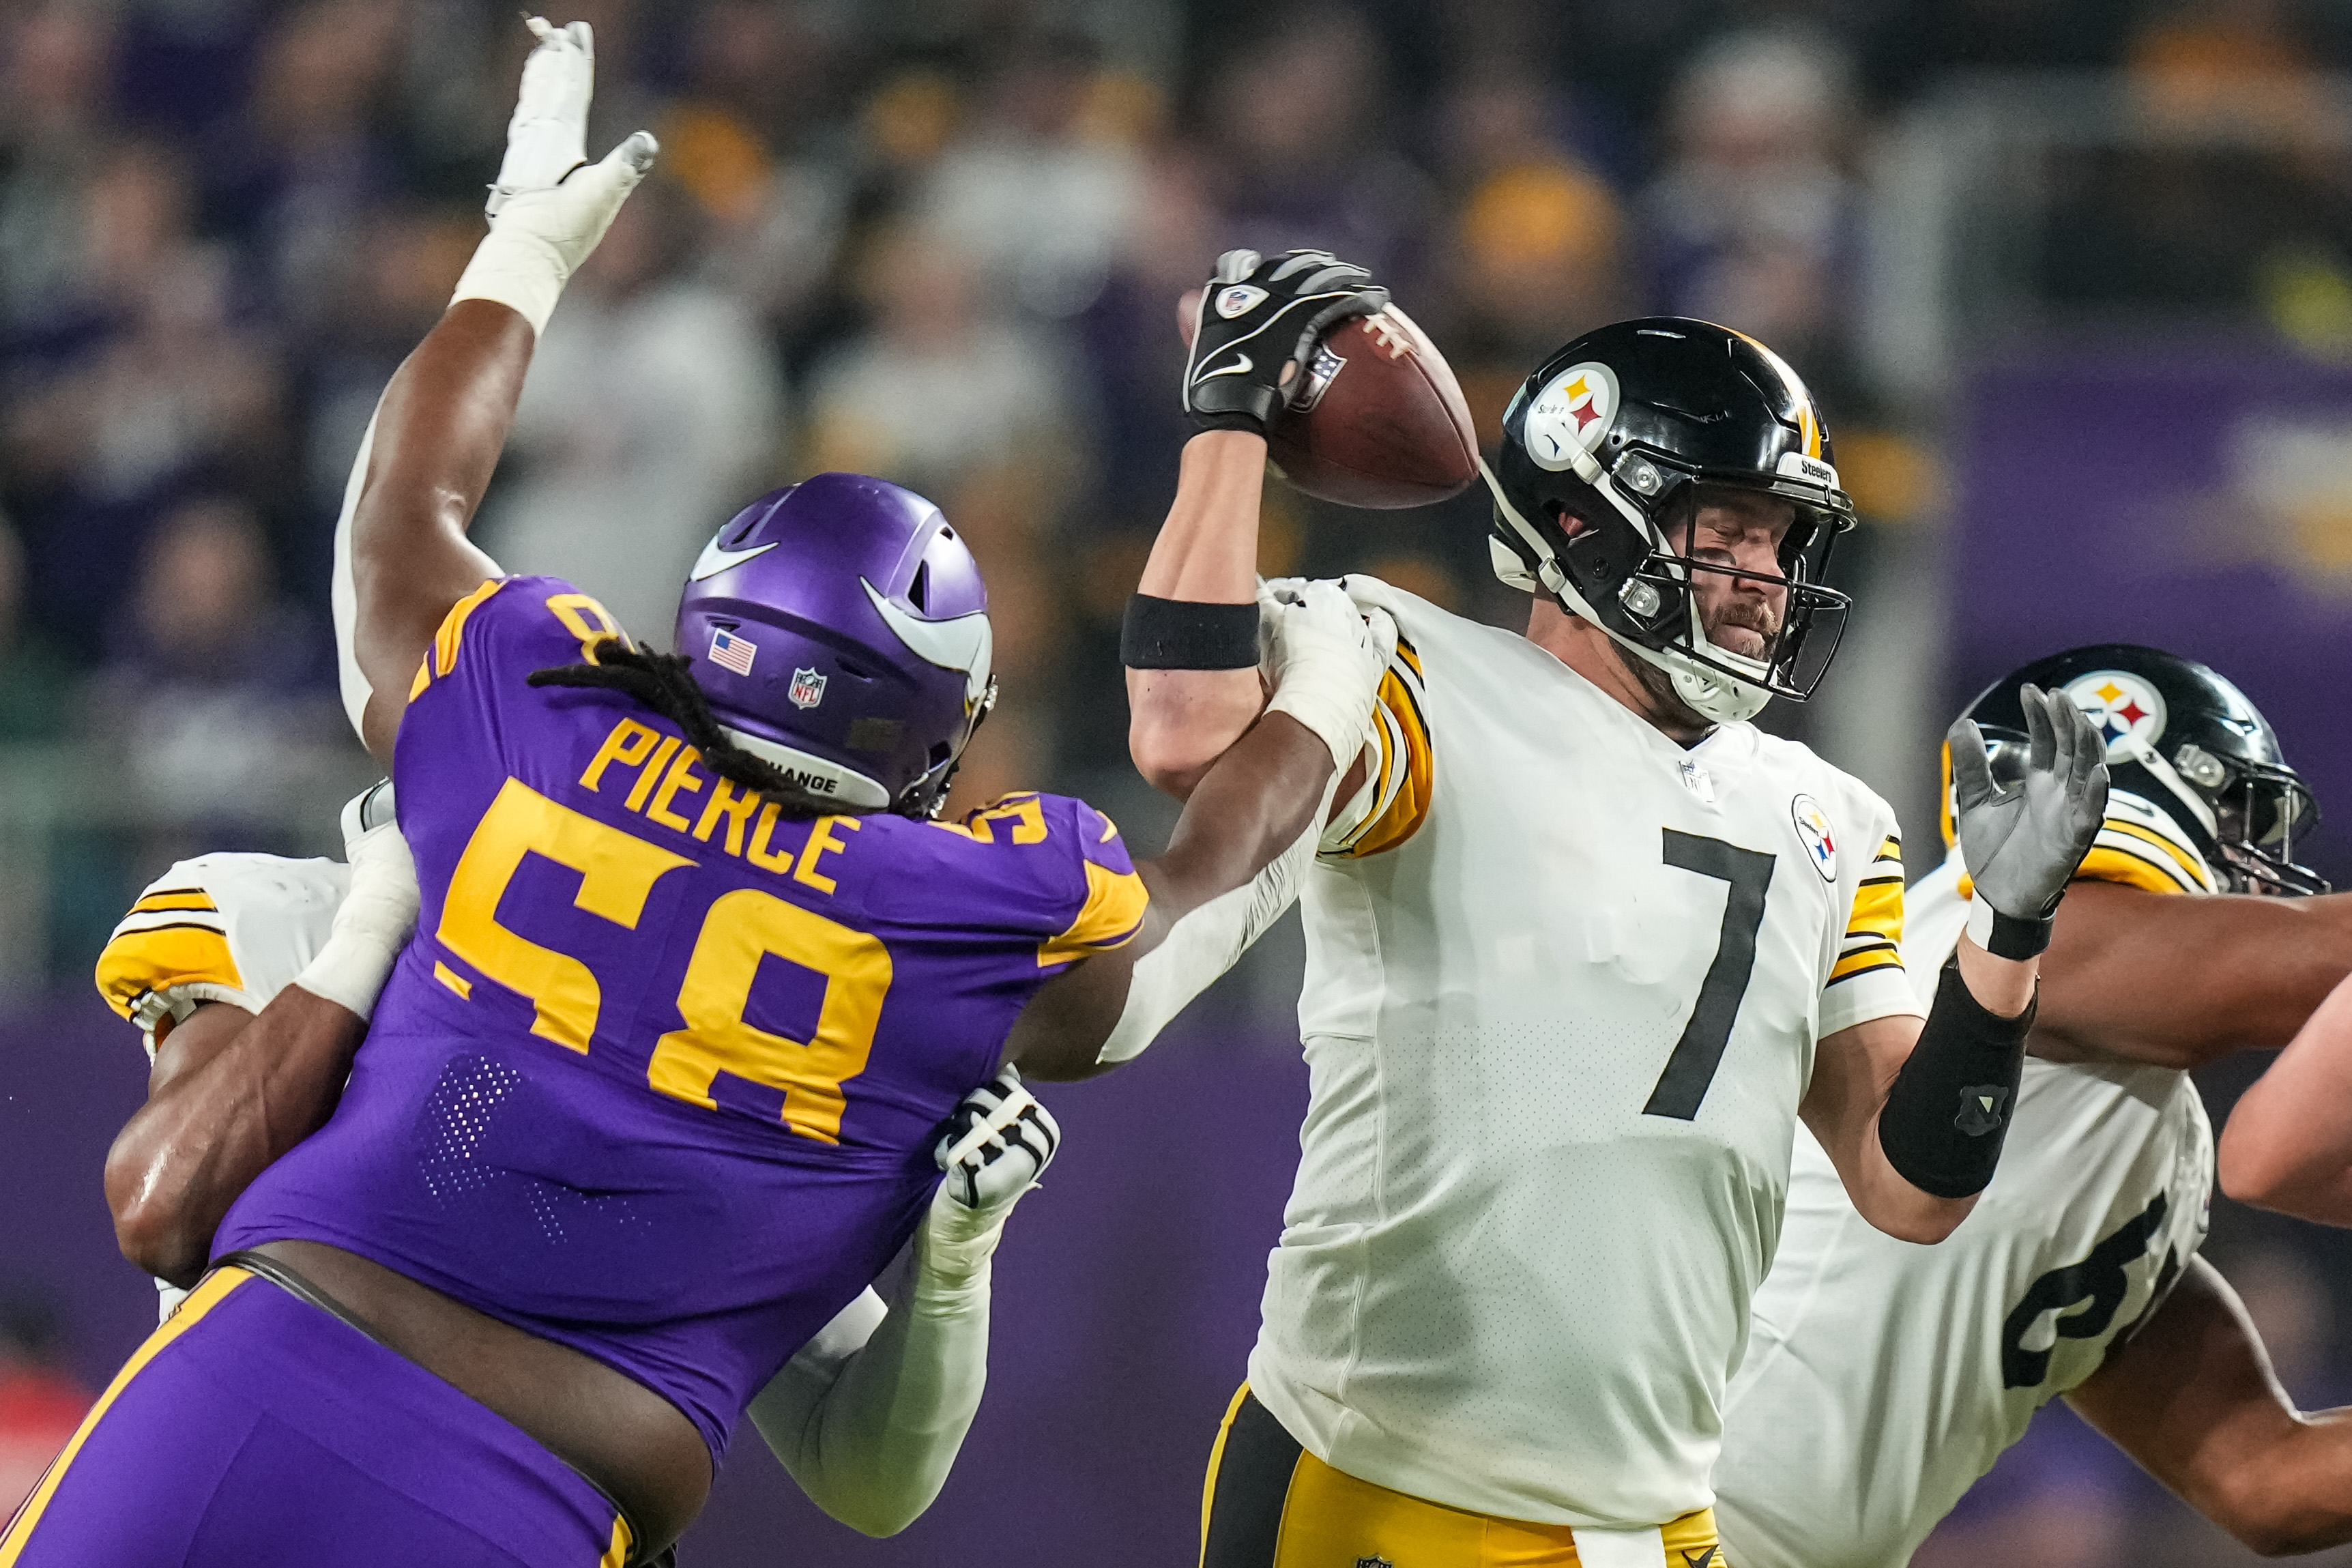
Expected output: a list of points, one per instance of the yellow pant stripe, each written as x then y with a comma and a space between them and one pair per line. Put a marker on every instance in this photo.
209, 1294
1216, 1458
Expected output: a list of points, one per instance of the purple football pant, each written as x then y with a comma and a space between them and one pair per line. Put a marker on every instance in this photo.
256, 1429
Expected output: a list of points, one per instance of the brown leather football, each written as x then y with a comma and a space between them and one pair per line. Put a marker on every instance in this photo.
1382, 424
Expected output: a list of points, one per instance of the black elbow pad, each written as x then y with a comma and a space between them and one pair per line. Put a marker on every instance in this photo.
1949, 1111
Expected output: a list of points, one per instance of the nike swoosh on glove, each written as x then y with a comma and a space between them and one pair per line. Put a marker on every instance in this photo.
1257, 318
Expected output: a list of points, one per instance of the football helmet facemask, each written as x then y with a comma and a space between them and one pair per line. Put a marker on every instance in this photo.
1611, 430
2183, 738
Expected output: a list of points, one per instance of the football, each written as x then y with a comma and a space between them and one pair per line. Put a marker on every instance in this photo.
1381, 423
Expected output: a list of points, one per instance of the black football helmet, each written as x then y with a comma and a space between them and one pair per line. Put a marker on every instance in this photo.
2183, 740
1610, 430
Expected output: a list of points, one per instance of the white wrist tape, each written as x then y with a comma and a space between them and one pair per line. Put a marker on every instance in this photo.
370, 927
517, 268
1979, 926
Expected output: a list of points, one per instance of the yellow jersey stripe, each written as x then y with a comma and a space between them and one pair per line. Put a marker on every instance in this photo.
2107, 863
2134, 830
1889, 849
174, 898
452, 633
1866, 961
1405, 805
1111, 916
209, 1293
159, 957
1877, 912
617, 1553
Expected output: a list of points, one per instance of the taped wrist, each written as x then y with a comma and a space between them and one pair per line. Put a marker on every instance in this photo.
1184, 634
2010, 936
1949, 1111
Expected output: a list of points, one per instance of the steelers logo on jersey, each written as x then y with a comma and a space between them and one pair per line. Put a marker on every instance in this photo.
1572, 412
1813, 831
2125, 708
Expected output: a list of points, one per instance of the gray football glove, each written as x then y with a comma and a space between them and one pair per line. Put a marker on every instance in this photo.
2022, 847
1256, 316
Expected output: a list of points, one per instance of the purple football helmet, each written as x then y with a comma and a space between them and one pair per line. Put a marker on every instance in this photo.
840, 629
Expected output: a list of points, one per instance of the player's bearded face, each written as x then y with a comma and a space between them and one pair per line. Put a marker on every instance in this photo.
1734, 529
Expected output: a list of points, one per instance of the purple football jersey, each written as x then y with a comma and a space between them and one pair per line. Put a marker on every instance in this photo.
660, 1074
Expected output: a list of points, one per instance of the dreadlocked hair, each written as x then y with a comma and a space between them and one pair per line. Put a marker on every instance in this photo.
664, 682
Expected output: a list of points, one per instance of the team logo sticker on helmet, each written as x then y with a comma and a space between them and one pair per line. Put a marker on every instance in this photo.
1813, 831
807, 688
2125, 707
1571, 414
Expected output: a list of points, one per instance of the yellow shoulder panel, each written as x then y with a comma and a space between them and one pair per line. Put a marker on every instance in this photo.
1111, 916
156, 957
1407, 774
1873, 934
451, 635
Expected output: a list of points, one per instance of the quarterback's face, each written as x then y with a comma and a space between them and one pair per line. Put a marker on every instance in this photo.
1738, 529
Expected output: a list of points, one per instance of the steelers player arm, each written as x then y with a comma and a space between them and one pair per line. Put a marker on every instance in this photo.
2193, 1398
232, 1090
402, 558
2287, 1144
2136, 974
868, 1416
1233, 858
1190, 644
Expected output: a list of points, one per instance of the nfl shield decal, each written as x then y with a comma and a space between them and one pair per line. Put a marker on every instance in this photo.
1374, 1562
807, 688
1813, 832
2125, 708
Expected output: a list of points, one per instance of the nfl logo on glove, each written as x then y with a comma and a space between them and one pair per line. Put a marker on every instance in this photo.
808, 689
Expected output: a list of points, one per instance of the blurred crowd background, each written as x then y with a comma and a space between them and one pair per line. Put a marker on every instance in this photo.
2073, 279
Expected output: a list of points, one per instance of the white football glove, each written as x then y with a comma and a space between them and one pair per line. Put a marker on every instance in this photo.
373, 923
995, 1146
1324, 656
549, 205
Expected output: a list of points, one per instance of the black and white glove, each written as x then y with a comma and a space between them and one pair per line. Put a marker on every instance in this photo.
1257, 318
993, 1148
2022, 847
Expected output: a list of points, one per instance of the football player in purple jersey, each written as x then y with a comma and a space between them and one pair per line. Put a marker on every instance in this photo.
654, 1091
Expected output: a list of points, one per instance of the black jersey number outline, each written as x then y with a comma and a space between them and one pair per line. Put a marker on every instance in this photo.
2101, 1277
1690, 1069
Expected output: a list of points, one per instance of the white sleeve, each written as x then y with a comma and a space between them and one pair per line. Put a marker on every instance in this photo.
1866, 979
868, 1416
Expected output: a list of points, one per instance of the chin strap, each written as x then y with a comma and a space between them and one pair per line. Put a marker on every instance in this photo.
1716, 697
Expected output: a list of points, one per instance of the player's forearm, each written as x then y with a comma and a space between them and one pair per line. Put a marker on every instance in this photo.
1182, 720
1251, 806
2178, 981
875, 1446
209, 1130
437, 435
2287, 1144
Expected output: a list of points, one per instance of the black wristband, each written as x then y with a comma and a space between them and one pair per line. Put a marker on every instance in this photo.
2014, 938
1184, 634
1947, 1115
1229, 419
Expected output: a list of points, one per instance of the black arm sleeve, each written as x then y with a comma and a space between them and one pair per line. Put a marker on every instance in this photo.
1949, 1110
1182, 634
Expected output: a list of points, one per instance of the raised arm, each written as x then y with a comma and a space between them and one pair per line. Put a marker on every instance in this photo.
1913, 1114
400, 551
1191, 641
2179, 981
2193, 1398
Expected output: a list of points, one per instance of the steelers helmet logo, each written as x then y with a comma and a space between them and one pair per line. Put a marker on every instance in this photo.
1813, 832
2125, 707
1571, 414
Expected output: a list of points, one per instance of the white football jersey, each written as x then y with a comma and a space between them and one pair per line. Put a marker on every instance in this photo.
1564, 981
1882, 1378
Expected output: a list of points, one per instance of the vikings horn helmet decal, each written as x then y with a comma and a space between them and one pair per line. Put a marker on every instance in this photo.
1599, 448
871, 625
2185, 741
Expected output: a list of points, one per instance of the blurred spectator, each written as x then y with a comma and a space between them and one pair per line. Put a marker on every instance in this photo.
34, 687
945, 384
215, 689
40, 1404
53, 103
1753, 222
1044, 198
1302, 152
651, 414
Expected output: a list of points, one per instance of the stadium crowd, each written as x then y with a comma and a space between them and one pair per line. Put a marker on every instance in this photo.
940, 242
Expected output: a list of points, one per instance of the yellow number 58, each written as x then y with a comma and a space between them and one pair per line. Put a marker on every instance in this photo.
617, 873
